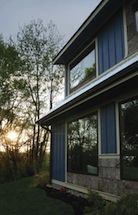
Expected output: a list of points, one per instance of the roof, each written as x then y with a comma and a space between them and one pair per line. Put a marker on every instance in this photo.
113, 77
87, 30
106, 83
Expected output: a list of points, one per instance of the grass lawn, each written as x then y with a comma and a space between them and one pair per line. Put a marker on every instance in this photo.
21, 198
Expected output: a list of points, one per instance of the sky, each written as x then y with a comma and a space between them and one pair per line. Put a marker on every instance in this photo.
67, 15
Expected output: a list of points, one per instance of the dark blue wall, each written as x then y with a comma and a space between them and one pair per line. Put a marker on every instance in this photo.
58, 152
111, 43
108, 129
110, 51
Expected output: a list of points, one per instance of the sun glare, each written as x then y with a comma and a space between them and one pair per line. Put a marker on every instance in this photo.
12, 135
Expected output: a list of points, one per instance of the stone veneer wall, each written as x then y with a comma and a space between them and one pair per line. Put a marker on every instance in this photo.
108, 179
132, 35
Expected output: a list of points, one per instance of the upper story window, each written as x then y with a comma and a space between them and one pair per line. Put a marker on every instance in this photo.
83, 69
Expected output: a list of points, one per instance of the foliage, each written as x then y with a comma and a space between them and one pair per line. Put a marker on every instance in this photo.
12, 115
82, 143
14, 166
27, 77
22, 198
96, 203
37, 45
126, 205
89, 73
41, 180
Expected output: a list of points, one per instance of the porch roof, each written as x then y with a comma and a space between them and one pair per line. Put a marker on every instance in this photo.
115, 76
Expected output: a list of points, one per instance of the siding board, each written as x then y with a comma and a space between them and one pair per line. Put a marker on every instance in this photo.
58, 152
108, 129
112, 52
105, 51
111, 43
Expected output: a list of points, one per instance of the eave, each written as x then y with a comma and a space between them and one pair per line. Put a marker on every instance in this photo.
87, 30
125, 70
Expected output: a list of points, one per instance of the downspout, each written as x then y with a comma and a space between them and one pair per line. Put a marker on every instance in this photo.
51, 104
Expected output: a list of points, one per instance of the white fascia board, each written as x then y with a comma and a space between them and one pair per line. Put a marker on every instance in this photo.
103, 77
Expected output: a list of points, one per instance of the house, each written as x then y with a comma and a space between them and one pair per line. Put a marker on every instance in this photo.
94, 140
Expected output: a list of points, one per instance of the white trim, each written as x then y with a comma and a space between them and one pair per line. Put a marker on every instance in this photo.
104, 76
109, 156
99, 132
107, 196
66, 152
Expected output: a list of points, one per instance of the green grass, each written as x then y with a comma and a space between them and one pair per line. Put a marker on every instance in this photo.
22, 198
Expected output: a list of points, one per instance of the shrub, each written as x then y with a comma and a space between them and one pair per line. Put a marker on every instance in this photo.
110, 208
96, 203
41, 180
126, 205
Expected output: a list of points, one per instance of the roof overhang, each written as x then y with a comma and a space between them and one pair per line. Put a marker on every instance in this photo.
87, 30
117, 75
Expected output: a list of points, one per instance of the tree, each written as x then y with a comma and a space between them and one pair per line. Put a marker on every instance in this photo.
8, 67
37, 47
12, 115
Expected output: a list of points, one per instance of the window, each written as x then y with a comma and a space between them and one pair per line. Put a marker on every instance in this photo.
83, 70
82, 145
136, 20
129, 139
135, 9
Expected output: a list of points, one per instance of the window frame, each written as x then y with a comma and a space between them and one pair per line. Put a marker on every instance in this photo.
126, 152
74, 119
135, 11
88, 49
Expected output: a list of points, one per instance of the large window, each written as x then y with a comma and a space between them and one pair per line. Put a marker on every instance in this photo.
83, 70
129, 139
82, 145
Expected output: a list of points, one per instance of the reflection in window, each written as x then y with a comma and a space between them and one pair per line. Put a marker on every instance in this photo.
129, 139
136, 20
83, 71
135, 9
82, 145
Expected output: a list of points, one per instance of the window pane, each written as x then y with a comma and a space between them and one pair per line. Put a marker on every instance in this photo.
136, 20
129, 125
130, 167
82, 145
129, 138
84, 71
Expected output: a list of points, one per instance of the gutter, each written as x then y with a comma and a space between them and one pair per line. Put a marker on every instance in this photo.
103, 79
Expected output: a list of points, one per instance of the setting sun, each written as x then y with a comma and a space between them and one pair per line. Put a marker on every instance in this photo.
12, 135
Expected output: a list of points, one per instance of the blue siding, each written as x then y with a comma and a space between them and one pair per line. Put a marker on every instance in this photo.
58, 152
111, 43
108, 129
